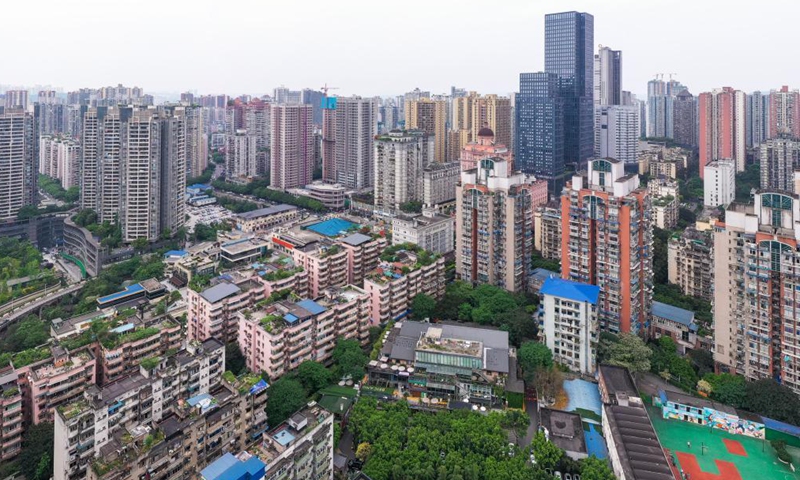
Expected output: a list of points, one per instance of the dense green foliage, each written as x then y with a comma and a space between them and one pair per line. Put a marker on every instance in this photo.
259, 189
349, 359
31, 211
631, 352
533, 356
203, 178
660, 256
208, 233
667, 363
236, 206
593, 468
540, 262
53, 188
746, 181
726, 388
313, 376
110, 234
489, 305
771, 399
423, 306
234, 360
29, 333
286, 396
35, 460
111, 278
411, 207
691, 190
458, 445
21, 259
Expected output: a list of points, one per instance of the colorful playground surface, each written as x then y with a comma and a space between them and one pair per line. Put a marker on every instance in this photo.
711, 454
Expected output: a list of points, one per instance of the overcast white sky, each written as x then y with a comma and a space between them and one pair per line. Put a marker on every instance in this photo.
378, 47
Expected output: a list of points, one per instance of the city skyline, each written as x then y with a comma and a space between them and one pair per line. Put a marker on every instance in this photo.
513, 36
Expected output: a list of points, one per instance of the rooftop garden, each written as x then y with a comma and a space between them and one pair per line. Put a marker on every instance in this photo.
424, 257
332, 250
152, 440
282, 274
10, 392
149, 363
663, 201
229, 377
25, 357
271, 322
73, 409
101, 467
113, 340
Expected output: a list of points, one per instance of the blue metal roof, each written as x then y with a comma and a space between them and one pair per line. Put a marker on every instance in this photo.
228, 467
135, 288
312, 306
680, 315
217, 469
543, 273
176, 253
578, 292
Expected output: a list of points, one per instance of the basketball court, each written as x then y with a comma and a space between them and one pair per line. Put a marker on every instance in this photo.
710, 454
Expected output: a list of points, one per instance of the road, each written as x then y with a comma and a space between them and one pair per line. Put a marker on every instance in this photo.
533, 413
33, 306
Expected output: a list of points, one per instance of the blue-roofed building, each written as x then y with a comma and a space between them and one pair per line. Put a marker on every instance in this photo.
538, 277
568, 318
674, 322
235, 467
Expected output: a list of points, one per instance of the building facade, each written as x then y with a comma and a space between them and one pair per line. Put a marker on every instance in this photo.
547, 230
721, 127
665, 200
684, 119
241, 153
691, 263
618, 133
755, 269
719, 183
291, 146
569, 318
429, 116
428, 230
606, 240
400, 159
439, 183
392, 286
494, 214
18, 158
779, 158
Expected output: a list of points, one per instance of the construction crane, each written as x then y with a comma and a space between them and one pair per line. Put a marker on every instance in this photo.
671, 74
325, 89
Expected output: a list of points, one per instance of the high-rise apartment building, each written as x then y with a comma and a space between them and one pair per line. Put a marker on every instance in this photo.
784, 112
493, 112
660, 106
196, 141
400, 158
755, 273
779, 158
133, 168
429, 116
59, 158
494, 237
353, 149
569, 53
607, 77
664, 199
606, 240
11, 421
439, 183
618, 132
18, 159
684, 119
241, 156
547, 230
16, 99
292, 146
757, 118
721, 127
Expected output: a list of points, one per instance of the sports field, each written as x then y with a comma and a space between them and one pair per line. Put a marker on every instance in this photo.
718, 455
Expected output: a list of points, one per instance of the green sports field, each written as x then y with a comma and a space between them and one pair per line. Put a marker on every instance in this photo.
708, 446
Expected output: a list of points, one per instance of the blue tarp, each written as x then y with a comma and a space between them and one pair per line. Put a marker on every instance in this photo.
583, 394
595, 444
135, 288
332, 227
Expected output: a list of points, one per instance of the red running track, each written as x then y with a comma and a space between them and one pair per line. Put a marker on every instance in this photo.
727, 470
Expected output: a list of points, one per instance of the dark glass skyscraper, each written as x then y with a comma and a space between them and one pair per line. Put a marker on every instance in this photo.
564, 93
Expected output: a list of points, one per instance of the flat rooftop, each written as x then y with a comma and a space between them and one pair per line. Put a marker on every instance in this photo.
617, 380
265, 212
565, 429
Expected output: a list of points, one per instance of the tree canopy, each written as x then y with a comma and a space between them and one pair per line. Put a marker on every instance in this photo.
534, 355
349, 359
422, 306
313, 376
286, 396
35, 459
630, 352
234, 360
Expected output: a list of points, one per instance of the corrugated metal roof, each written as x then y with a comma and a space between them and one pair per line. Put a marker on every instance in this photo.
676, 314
579, 292
220, 291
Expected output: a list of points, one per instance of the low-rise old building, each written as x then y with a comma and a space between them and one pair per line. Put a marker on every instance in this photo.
664, 197
429, 230
265, 219
691, 263
211, 312
443, 362
277, 337
676, 323
402, 274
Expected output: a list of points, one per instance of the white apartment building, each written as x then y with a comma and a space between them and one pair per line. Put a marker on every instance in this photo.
570, 322
617, 132
400, 158
240, 156
719, 183
430, 231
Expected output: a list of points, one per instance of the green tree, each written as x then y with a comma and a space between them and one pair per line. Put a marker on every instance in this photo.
517, 421
37, 447
286, 396
423, 306
349, 359
533, 356
363, 451
29, 333
771, 399
234, 360
546, 453
313, 375
630, 352
726, 388
140, 244
519, 324
593, 468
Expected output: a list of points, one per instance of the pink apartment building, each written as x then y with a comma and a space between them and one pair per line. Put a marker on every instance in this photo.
10, 414
211, 312
393, 285
332, 263
278, 337
122, 354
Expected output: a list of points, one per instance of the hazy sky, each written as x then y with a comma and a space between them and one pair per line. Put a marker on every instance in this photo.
374, 47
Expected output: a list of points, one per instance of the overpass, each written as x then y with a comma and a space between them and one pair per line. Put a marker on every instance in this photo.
24, 309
